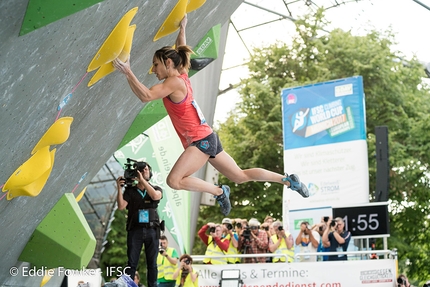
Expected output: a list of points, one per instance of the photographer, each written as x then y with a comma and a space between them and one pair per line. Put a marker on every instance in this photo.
308, 241
216, 244
184, 274
231, 235
143, 224
253, 241
402, 281
281, 242
336, 238
166, 263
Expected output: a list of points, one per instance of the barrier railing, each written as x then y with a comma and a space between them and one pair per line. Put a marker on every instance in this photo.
391, 254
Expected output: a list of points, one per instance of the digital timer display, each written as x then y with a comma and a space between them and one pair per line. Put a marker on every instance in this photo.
365, 220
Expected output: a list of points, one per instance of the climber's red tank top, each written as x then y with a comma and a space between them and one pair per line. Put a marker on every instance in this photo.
187, 118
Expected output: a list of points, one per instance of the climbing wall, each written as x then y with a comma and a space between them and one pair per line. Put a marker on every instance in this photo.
44, 79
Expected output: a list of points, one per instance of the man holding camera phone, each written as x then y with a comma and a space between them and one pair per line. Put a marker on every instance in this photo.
336, 238
308, 241
166, 263
143, 223
216, 244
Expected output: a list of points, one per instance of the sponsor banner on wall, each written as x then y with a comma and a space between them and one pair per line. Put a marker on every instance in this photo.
325, 142
372, 273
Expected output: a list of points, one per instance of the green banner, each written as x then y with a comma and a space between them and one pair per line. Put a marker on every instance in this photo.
160, 147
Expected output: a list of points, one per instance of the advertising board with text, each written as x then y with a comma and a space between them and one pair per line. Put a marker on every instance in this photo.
325, 142
372, 273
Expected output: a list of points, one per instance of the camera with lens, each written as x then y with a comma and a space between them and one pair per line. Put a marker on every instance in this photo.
229, 226
401, 282
280, 228
130, 170
238, 225
333, 223
212, 229
161, 251
187, 261
246, 233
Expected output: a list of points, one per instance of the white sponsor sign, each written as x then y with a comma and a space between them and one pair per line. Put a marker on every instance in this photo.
372, 273
335, 174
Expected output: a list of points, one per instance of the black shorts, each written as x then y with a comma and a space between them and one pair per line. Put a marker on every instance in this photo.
210, 145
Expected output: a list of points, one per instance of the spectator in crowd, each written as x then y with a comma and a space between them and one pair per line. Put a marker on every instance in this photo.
267, 227
167, 260
253, 241
308, 241
320, 228
268, 219
232, 236
282, 242
402, 281
271, 230
336, 238
216, 244
244, 223
137, 279
185, 275
237, 223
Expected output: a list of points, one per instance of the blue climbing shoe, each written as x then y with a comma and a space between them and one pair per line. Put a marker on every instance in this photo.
224, 201
297, 185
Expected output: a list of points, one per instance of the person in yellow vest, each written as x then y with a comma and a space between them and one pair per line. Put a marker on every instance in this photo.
282, 242
167, 260
185, 275
231, 235
217, 246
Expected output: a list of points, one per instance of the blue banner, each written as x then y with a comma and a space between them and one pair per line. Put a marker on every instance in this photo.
323, 113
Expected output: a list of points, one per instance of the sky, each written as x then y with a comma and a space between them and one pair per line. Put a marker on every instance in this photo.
406, 18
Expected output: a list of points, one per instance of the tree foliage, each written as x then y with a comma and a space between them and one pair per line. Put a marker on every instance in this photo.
395, 97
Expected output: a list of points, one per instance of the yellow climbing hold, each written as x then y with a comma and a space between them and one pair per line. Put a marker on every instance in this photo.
194, 5
57, 133
81, 194
47, 277
30, 178
114, 43
171, 24
108, 68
